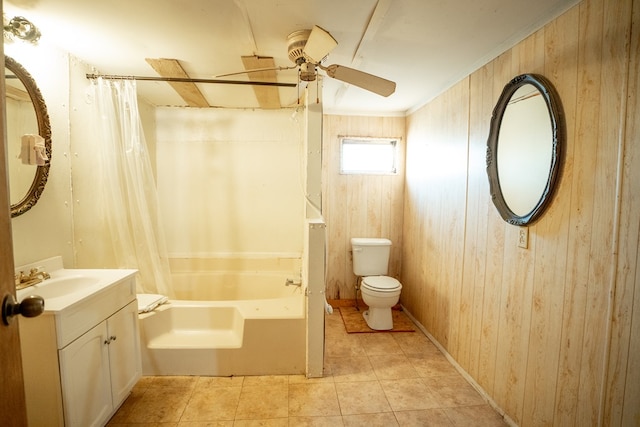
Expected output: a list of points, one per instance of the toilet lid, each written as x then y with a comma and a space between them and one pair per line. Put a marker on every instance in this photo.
381, 283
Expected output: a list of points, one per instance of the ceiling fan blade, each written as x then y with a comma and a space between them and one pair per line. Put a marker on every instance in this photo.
361, 79
319, 44
257, 70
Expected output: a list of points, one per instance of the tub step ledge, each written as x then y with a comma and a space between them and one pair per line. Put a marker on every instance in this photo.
206, 339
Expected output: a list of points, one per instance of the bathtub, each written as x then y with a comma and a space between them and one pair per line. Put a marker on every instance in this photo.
224, 324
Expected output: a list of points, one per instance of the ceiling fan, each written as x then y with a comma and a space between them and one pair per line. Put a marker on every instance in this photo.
308, 48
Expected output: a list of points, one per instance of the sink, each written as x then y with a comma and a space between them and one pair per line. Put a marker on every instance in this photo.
63, 286
67, 289
79, 299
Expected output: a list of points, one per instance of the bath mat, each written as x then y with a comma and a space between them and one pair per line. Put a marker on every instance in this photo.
354, 323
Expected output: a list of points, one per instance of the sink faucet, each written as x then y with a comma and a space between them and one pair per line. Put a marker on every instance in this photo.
34, 277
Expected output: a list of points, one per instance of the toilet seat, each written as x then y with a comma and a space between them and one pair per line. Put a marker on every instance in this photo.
381, 283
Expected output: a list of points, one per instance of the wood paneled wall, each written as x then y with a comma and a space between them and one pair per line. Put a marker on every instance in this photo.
550, 332
359, 205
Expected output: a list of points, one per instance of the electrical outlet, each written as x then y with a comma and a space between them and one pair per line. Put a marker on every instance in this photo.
523, 237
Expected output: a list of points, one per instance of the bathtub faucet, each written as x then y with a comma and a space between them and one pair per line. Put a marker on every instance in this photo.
291, 282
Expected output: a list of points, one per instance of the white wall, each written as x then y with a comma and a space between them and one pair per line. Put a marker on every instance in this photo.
46, 230
66, 221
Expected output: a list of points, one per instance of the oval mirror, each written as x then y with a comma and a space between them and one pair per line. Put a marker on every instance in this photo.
524, 148
27, 125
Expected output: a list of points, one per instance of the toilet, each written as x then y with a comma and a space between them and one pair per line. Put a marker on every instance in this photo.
379, 292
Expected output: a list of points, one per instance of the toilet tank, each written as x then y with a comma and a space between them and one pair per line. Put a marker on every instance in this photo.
370, 256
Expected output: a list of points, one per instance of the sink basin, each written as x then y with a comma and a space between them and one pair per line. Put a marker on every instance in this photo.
68, 289
63, 286
75, 300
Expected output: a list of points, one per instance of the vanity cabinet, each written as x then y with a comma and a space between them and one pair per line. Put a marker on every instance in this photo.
81, 363
99, 369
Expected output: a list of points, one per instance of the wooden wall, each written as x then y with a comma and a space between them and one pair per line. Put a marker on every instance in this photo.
550, 332
359, 205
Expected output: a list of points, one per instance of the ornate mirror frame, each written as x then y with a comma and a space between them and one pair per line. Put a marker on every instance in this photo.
44, 130
556, 117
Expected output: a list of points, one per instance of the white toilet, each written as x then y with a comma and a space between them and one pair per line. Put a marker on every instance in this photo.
379, 292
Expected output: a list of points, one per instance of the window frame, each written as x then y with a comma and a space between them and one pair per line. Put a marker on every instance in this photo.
364, 140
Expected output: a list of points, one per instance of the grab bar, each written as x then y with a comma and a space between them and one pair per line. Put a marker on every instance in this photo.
291, 282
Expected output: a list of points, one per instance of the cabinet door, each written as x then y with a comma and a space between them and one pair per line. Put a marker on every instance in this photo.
84, 367
124, 351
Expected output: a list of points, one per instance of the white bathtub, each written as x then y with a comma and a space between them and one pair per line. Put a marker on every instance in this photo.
226, 324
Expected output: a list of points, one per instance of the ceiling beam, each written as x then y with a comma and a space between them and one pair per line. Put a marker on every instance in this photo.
373, 26
268, 97
250, 37
187, 91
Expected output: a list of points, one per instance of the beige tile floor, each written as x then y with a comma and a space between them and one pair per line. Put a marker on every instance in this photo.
385, 379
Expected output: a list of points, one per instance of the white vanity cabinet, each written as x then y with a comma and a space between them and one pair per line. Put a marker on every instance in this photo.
99, 369
81, 362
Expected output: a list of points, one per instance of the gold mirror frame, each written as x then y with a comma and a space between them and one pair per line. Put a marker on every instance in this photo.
44, 130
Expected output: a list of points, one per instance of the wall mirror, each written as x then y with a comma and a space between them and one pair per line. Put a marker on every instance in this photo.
524, 149
27, 123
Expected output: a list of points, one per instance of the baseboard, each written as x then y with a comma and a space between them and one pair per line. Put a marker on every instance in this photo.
345, 302
462, 372
352, 303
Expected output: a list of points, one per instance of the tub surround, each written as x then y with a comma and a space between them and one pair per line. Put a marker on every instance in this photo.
233, 285
225, 337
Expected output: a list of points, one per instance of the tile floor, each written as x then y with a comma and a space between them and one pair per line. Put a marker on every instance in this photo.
384, 379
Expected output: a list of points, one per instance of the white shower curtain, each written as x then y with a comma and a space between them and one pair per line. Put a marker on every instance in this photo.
128, 187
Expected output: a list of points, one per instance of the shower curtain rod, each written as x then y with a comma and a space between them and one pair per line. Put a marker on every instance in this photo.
189, 80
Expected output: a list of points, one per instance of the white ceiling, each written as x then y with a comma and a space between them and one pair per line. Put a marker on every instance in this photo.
425, 46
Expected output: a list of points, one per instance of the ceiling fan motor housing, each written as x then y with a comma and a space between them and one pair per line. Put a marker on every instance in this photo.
296, 42
308, 48
307, 72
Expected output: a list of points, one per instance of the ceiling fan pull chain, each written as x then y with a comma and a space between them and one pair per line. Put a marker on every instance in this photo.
298, 86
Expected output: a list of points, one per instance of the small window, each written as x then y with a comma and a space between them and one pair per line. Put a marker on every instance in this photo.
368, 156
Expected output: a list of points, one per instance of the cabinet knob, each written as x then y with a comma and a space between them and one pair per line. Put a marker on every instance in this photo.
111, 338
31, 306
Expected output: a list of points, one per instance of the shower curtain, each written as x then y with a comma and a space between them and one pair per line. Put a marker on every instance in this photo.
128, 188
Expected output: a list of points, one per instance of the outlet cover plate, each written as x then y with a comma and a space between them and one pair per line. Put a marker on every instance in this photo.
523, 237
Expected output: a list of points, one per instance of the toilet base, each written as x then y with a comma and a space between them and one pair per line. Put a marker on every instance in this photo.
379, 319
